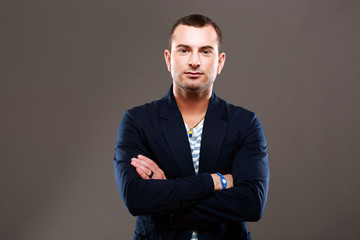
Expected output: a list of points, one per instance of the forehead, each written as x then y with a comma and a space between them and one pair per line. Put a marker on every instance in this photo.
195, 36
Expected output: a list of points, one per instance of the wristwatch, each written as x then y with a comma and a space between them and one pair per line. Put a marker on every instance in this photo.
223, 180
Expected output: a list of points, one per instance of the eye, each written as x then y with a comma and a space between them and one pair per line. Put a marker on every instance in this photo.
183, 51
206, 52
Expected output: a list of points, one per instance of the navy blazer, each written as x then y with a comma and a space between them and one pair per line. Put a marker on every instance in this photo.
232, 142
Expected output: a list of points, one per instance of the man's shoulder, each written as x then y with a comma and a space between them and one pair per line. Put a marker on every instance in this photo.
233, 110
146, 109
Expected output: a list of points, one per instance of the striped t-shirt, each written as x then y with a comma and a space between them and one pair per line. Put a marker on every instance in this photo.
195, 143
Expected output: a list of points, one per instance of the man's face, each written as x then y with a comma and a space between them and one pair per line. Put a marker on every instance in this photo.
194, 60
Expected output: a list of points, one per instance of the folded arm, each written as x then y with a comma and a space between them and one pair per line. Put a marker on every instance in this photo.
243, 202
148, 169
246, 200
158, 196
245, 197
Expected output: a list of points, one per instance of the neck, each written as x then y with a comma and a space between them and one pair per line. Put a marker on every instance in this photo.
192, 103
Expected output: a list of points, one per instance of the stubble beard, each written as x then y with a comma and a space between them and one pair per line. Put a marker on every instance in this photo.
195, 87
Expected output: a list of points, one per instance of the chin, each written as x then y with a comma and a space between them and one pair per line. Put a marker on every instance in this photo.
194, 85
197, 88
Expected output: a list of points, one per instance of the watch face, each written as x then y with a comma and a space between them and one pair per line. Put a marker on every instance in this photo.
223, 180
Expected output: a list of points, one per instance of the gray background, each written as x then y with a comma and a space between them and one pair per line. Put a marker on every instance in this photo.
69, 69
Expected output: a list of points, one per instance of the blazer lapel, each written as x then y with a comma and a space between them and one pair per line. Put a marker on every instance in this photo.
173, 128
214, 130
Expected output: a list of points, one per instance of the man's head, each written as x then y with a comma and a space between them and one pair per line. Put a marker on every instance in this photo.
194, 59
196, 20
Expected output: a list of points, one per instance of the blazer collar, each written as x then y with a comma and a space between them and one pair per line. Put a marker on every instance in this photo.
173, 127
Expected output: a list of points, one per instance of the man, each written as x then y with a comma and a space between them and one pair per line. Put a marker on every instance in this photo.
191, 165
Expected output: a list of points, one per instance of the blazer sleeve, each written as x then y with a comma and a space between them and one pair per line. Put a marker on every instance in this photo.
246, 200
151, 197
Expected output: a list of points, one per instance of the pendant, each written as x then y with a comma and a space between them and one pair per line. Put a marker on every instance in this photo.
190, 133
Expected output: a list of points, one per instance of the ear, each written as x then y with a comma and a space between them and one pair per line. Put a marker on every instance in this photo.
221, 63
167, 59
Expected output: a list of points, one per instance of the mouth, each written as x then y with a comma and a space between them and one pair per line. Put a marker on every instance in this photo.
193, 74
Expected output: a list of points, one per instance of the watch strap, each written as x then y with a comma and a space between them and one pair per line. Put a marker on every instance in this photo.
222, 180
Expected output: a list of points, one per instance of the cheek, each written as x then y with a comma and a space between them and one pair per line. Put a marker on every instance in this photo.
177, 64
173, 67
213, 68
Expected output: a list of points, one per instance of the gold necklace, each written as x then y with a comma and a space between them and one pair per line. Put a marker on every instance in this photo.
191, 129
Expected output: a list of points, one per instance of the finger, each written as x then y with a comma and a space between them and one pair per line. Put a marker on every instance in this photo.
144, 169
160, 175
151, 165
140, 162
140, 171
142, 174
157, 174
147, 162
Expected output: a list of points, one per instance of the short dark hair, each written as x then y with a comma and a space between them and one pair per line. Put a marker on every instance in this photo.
196, 20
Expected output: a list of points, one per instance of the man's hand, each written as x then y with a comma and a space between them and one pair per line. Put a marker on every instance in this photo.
217, 181
147, 168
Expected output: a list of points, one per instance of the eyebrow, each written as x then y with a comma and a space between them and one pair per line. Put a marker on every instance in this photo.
182, 46
187, 46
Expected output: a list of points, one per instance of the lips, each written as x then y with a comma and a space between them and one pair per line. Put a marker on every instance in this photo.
193, 74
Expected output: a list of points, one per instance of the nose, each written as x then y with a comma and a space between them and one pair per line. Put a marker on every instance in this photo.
194, 61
